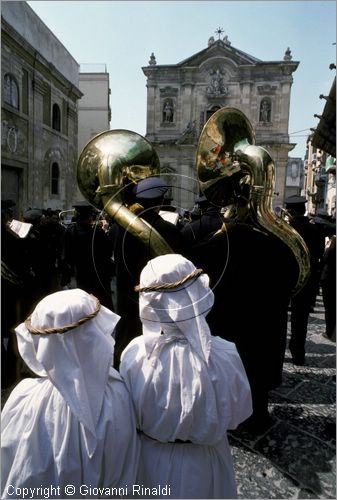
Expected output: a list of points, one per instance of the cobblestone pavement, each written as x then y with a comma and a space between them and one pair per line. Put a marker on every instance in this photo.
295, 457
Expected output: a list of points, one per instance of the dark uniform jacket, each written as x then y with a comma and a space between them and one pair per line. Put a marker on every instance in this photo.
314, 238
252, 274
87, 251
194, 232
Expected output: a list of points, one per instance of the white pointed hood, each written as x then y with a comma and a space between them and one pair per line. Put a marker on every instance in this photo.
68, 359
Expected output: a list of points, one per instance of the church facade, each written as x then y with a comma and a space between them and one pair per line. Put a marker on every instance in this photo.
40, 92
181, 97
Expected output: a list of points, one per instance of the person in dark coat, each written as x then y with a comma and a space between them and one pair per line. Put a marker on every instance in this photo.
301, 303
16, 278
252, 274
131, 256
87, 255
43, 243
326, 228
209, 220
328, 283
52, 233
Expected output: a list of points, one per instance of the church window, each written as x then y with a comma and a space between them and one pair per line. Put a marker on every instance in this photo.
11, 91
55, 177
56, 117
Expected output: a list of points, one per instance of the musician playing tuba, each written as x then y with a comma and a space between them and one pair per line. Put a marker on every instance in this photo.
131, 256
119, 171
253, 268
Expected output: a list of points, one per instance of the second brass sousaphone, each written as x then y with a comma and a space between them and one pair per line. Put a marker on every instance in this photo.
109, 166
230, 167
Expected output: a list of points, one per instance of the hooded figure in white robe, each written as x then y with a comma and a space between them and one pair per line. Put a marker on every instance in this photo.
74, 424
187, 387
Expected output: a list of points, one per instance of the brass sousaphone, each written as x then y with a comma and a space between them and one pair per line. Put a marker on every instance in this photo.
109, 166
230, 167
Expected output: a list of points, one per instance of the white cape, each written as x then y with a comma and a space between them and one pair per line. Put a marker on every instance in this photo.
74, 425
43, 443
203, 468
185, 385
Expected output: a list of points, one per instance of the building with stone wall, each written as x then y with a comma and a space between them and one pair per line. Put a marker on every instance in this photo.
40, 90
320, 157
94, 112
330, 197
320, 180
295, 177
181, 97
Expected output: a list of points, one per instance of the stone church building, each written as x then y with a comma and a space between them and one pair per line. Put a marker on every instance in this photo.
181, 97
39, 118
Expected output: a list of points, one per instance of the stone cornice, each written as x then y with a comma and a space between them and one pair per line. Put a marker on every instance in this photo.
274, 144
37, 62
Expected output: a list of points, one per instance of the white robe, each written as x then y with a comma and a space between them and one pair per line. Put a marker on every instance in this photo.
185, 385
74, 425
43, 443
167, 409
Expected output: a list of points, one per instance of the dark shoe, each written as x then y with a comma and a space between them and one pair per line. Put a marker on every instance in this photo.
298, 360
256, 424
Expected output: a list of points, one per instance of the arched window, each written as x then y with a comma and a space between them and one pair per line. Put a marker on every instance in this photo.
56, 120
11, 91
55, 177
265, 110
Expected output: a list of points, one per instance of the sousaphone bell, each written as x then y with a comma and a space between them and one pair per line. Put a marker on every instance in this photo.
108, 168
230, 167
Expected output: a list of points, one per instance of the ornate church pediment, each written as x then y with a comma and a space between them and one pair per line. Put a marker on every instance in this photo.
222, 50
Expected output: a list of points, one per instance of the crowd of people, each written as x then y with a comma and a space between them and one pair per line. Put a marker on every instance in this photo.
132, 393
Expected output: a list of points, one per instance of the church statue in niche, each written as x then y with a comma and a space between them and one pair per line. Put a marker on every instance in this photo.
265, 110
168, 111
217, 86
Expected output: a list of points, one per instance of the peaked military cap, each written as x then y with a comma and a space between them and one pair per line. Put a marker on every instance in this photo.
32, 215
150, 188
82, 206
295, 200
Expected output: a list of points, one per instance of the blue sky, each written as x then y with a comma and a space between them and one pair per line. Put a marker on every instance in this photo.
123, 34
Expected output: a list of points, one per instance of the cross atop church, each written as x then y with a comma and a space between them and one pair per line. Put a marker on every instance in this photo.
219, 32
